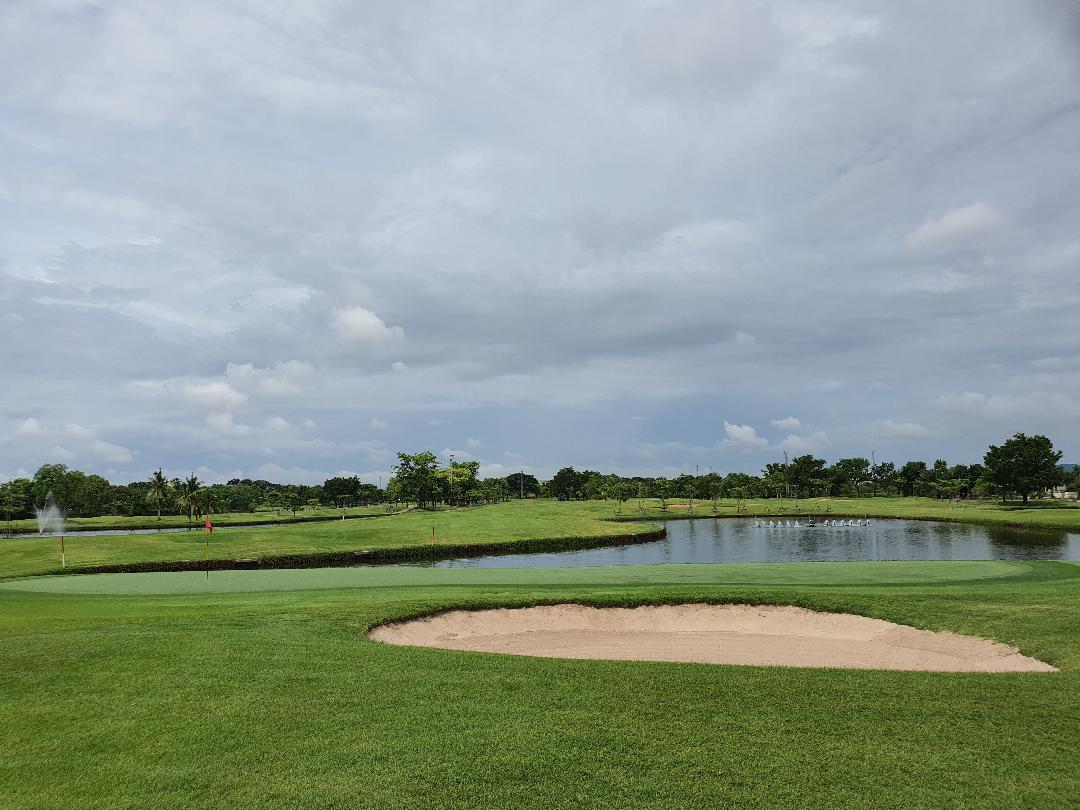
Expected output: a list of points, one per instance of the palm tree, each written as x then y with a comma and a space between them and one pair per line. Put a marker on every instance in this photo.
188, 495
207, 501
159, 490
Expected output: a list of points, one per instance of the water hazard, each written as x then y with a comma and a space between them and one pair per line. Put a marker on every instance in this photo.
710, 540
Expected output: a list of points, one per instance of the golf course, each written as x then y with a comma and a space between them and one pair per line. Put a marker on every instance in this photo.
260, 688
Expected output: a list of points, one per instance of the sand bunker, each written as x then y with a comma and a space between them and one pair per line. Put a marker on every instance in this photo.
711, 634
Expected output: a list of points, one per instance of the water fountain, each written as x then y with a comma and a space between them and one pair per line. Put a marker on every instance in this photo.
50, 520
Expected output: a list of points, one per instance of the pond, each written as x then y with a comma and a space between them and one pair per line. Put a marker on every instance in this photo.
711, 540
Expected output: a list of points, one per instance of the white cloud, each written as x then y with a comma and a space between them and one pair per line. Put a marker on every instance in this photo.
1010, 407
276, 424
213, 395
361, 326
801, 445
61, 454
742, 437
30, 428
79, 432
904, 430
473, 443
787, 423
279, 380
223, 424
957, 226
744, 338
398, 366
378, 424
112, 453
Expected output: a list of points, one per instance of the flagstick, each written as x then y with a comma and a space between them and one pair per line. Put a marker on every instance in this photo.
63, 557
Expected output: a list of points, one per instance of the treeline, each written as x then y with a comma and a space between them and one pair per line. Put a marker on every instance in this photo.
1022, 466
86, 495
418, 478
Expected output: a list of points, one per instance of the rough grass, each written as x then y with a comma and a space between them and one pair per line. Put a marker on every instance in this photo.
276, 699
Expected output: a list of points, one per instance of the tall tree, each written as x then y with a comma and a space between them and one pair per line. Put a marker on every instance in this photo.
851, 472
415, 475
803, 471
13, 498
159, 491
564, 486
1024, 465
187, 496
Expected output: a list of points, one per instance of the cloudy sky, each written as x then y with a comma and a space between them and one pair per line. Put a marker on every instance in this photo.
275, 239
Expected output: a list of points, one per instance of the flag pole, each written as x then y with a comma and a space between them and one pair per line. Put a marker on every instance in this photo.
206, 552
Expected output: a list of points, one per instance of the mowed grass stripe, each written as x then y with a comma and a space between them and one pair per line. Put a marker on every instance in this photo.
817, 574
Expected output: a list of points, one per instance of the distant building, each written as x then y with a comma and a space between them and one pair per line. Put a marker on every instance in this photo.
1068, 492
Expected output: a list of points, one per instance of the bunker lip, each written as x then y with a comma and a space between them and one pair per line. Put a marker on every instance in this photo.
754, 635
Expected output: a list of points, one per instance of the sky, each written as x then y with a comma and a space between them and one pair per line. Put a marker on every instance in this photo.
267, 239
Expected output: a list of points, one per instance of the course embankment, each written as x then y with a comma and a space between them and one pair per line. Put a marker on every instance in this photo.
382, 556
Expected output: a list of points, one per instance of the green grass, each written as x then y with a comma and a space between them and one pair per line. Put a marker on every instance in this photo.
516, 525
274, 698
513, 524
173, 521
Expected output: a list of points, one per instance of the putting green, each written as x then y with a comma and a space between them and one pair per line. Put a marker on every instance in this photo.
815, 574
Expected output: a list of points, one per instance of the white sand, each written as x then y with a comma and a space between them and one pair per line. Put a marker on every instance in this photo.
712, 634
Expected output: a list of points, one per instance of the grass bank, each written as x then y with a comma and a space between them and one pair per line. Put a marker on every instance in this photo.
169, 521
517, 526
263, 692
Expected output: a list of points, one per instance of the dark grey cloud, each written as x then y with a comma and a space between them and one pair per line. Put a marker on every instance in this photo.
237, 238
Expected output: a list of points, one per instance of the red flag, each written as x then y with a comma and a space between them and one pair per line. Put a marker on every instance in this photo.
209, 525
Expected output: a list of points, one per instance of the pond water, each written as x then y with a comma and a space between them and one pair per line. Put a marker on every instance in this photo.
711, 540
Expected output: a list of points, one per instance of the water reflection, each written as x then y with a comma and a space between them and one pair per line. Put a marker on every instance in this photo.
708, 540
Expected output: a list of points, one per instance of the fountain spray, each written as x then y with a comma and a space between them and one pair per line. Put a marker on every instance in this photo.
50, 518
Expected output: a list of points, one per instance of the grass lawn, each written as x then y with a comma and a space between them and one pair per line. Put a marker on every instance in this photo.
518, 525
169, 520
506, 524
259, 689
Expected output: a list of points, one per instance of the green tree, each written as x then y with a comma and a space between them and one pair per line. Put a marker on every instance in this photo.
849, 472
564, 486
159, 491
912, 477
340, 490
884, 476
14, 499
416, 477
187, 496
802, 471
1024, 465
521, 485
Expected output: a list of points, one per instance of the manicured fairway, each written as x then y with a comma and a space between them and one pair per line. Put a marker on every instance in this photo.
298, 579
274, 698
